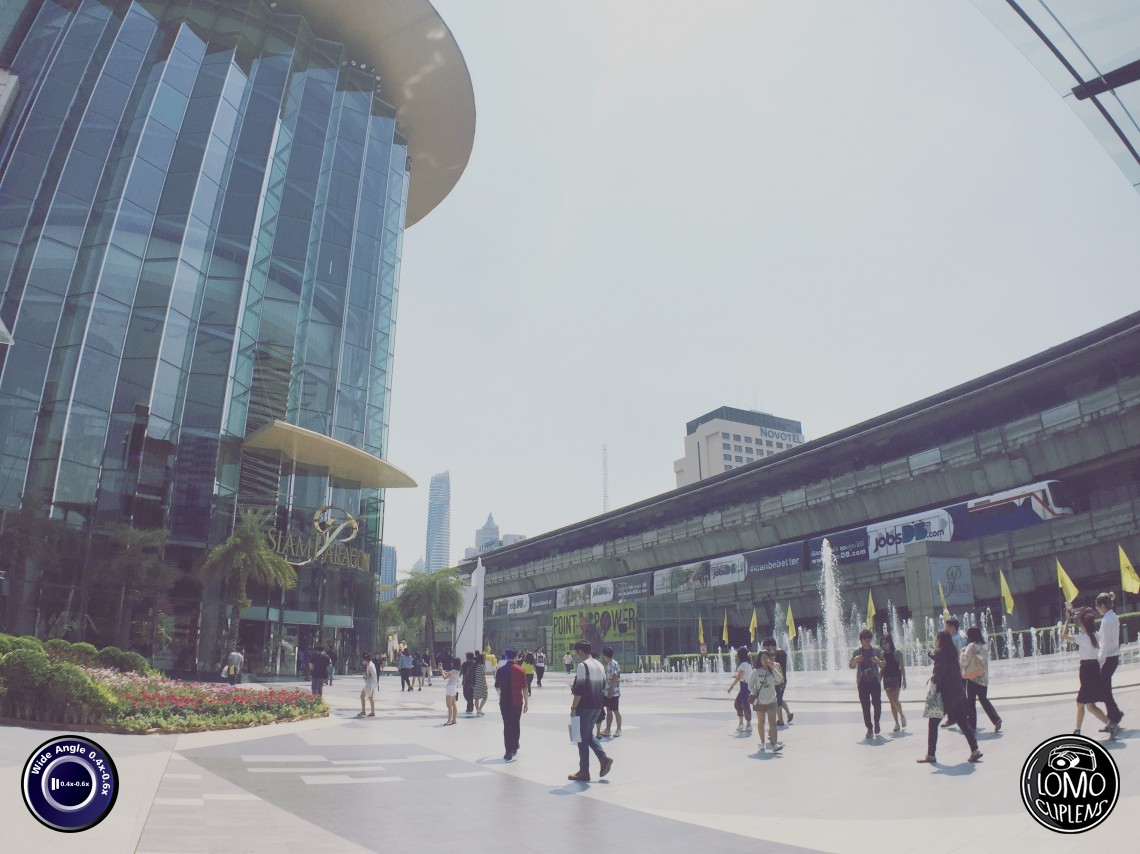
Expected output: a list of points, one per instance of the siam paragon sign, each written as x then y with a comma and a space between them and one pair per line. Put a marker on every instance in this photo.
335, 529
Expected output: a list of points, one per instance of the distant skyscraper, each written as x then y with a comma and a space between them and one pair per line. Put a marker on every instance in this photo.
388, 572
487, 534
438, 550
487, 538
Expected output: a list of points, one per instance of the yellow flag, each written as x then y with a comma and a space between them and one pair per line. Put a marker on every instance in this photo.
724, 631
942, 596
1006, 596
870, 611
752, 627
1066, 584
700, 630
791, 623
1129, 580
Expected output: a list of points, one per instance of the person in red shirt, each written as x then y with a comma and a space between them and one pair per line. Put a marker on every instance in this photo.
510, 682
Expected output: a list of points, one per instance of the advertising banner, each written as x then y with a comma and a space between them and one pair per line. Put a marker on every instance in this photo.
614, 624
601, 592
890, 538
518, 605
633, 587
777, 560
727, 570
847, 546
681, 579
956, 578
545, 600
573, 597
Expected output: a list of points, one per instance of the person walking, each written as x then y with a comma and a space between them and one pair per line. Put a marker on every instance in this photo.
331, 653
427, 665
612, 695
539, 666
467, 676
369, 691
405, 665
568, 662
480, 684
234, 661
740, 682
510, 682
1109, 656
1088, 648
451, 689
319, 664
762, 682
417, 671
947, 681
866, 665
781, 658
528, 669
894, 678
955, 631
588, 688
975, 661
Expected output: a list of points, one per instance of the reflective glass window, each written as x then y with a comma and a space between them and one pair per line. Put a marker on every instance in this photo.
95, 383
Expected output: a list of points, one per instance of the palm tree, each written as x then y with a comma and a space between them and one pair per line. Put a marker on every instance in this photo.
243, 559
432, 596
136, 567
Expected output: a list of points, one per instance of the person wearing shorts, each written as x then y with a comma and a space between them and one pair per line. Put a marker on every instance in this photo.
612, 696
451, 689
369, 691
740, 682
781, 658
762, 682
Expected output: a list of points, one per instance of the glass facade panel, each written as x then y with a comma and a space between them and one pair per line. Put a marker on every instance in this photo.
201, 212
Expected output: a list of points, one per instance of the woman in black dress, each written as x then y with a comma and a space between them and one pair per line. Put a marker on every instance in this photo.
948, 680
894, 678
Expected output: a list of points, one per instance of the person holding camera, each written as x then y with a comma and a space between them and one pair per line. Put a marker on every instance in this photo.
866, 665
762, 682
1088, 649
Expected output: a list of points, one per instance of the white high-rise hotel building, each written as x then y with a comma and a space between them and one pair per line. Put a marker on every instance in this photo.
725, 438
437, 554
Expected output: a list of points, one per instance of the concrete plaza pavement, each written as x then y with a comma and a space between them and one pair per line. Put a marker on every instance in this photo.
682, 779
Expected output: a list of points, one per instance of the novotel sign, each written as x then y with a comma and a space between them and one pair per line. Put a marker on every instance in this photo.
769, 433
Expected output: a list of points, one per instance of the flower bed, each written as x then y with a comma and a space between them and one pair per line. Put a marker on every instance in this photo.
146, 703
111, 690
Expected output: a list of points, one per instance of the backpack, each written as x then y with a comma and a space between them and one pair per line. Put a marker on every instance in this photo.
971, 663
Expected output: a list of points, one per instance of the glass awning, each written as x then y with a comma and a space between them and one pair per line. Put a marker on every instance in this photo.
342, 460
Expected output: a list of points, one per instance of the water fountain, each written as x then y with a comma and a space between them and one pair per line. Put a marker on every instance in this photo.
831, 606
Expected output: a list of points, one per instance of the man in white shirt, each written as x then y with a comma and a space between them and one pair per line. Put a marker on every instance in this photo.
1108, 639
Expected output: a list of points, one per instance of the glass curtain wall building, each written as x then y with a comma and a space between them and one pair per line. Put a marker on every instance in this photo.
202, 208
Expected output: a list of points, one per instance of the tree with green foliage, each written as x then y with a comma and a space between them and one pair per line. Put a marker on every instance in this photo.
243, 559
431, 596
135, 569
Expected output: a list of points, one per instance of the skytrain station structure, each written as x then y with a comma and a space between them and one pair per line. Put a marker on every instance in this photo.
1006, 474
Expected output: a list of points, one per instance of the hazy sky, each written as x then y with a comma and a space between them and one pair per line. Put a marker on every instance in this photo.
822, 210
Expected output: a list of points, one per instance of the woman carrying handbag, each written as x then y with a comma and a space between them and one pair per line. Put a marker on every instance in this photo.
946, 686
976, 672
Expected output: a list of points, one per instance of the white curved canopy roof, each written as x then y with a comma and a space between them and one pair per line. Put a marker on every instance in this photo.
422, 74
